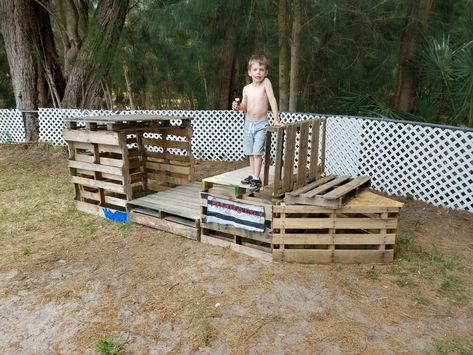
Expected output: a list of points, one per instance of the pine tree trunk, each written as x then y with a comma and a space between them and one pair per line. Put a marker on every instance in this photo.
129, 88
226, 73
19, 29
282, 43
95, 57
415, 25
295, 52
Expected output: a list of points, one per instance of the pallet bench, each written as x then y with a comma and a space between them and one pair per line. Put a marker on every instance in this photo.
330, 191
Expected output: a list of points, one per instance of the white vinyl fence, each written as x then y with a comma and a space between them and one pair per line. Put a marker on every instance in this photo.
429, 162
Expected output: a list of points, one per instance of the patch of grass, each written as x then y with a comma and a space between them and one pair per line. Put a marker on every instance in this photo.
23, 251
406, 282
110, 347
422, 301
409, 196
455, 347
453, 288
204, 328
404, 244
372, 275
423, 271
417, 225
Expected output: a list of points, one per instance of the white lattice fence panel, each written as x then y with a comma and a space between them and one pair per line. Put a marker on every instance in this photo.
11, 127
431, 163
343, 148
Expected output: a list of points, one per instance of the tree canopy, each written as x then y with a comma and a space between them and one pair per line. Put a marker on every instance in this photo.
397, 59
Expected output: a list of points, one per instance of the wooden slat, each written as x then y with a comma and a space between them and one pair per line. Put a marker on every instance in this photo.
95, 167
346, 188
289, 157
115, 201
168, 156
314, 150
97, 137
255, 253
325, 239
165, 225
98, 184
261, 237
302, 158
312, 185
167, 167
338, 223
321, 189
335, 256
277, 182
165, 143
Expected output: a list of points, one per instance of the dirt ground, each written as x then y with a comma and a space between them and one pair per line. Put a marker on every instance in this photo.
72, 283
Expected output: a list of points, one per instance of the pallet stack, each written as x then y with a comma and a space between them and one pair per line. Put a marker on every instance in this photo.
113, 157
311, 218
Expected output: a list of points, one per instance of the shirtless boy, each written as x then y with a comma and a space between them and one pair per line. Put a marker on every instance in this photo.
256, 97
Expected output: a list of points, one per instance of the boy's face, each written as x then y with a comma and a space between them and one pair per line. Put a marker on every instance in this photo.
257, 72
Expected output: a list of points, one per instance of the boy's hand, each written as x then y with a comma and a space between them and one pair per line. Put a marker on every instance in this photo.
278, 124
236, 105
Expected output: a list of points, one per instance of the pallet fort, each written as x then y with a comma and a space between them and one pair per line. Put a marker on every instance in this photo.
300, 214
114, 158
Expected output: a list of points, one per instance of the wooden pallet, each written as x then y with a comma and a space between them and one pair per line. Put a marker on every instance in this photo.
362, 231
111, 158
287, 173
229, 184
176, 210
330, 191
255, 244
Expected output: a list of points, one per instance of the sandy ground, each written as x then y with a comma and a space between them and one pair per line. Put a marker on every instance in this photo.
70, 280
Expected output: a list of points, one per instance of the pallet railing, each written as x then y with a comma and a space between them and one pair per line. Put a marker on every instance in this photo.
295, 168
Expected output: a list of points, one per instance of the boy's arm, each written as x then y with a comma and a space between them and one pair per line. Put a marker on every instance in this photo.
243, 106
272, 102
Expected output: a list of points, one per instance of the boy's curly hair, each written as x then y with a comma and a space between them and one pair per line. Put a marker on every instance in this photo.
260, 59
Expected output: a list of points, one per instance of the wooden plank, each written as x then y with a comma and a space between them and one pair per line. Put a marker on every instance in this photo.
164, 225
167, 206
336, 256
255, 253
303, 256
98, 184
312, 185
168, 156
115, 201
103, 161
168, 179
171, 130
277, 182
363, 256
321, 189
314, 150
261, 237
348, 187
302, 157
165, 143
126, 118
287, 182
95, 167
338, 223
168, 167
323, 147
267, 158
324, 239
98, 137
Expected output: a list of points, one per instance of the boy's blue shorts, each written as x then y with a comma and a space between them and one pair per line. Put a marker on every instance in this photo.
254, 134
